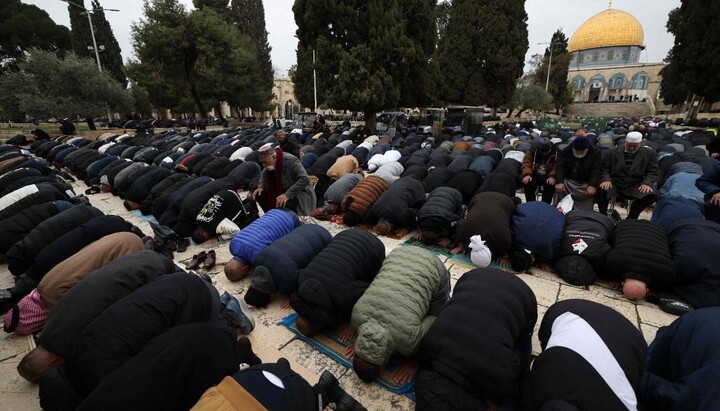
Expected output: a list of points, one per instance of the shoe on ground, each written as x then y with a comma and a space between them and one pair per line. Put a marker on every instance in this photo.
196, 260
245, 320
671, 304
209, 261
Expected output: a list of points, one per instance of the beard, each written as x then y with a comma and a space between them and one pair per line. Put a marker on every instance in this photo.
580, 154
270, 168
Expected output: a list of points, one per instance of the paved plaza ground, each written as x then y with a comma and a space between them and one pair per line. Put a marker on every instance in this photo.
18, 394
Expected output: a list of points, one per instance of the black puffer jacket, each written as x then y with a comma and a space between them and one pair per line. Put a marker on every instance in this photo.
467, 183
45, 192
95, 293
399, 204
196, 200
158, 189
694, 249
21, 254
442, 210
587, 237
437, 177
140, 188
338, 276
641, 251
476, 349
9, 178
489, 216
15, 228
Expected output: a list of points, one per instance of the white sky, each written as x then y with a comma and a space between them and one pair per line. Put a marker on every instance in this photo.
544, 17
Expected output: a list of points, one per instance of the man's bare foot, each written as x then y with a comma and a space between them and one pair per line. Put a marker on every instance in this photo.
417, 235
457, 250
444, 242
503, 262
285, 305
545, 267
211, 240
406, 371
401, 232
350, 352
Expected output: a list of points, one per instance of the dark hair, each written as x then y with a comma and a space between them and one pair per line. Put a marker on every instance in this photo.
366, 371
198, 235
430, 237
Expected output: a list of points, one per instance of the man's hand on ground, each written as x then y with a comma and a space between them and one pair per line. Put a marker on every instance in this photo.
255, 194
644, 188
285, 305
458, 250
406, 371
350, 352
444, 242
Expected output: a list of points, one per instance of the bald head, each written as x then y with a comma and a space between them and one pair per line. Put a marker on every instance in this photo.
37, 363
634, 289
235, 270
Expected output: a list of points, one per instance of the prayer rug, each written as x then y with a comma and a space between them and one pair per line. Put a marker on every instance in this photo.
149, 218
338, 219
328, 343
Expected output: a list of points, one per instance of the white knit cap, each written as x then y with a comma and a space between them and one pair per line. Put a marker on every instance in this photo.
634, 137
480, 255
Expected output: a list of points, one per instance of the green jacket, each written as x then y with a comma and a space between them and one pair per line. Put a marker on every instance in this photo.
400, 305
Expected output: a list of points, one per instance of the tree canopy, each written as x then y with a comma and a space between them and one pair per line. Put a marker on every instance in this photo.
371, 55
196, 57
24, 26
110, 57
47, 86
482, 51
558, 84
693, 67
249, 18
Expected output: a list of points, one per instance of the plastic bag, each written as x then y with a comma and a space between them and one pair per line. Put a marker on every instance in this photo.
566, 204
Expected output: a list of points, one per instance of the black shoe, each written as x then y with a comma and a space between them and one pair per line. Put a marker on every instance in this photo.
329, 389
7, 301
670, 304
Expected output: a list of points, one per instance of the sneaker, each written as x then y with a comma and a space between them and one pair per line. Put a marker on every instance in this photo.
245, 320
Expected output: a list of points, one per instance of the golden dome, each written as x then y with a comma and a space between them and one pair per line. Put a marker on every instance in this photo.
608, 29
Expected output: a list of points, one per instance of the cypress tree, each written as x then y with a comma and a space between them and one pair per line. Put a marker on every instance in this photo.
249, 17
110, 57
558, 71
481, 53
693, 67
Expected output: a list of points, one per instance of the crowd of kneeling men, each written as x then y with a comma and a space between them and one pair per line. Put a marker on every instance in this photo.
121, 326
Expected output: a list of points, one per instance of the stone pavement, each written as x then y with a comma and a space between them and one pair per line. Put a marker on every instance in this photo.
18, 394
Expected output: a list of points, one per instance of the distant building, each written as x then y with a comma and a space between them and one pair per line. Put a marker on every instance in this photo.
284, 98
605, 60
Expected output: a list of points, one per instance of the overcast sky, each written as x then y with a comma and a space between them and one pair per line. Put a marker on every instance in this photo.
544, 17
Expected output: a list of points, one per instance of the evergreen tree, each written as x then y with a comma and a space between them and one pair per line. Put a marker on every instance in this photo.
692, 62
558, 84
46, 86
110, 57
249, 17
481, 53
198, 56
24, 26
370, 55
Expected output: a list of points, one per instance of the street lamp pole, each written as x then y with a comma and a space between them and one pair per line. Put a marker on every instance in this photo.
92, 34
314, 82
552, 50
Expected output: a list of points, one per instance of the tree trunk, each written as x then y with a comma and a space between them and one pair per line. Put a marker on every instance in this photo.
522, 110
370, 117
510, 111
91, 123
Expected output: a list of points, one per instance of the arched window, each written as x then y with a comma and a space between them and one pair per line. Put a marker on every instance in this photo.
597, 81
618, 81
578, 82
640, 81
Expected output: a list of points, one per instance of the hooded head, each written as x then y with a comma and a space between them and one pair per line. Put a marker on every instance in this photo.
261, 289
373, 343
521, 260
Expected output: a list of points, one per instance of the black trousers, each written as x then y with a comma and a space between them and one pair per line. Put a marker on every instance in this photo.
531, 188
638, 204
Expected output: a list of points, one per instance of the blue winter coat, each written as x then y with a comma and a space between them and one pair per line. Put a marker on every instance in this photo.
669, 210
285, 257
682, 364
709, 183
273, 225
539, 228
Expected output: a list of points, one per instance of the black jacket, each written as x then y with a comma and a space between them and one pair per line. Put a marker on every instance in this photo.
46, 192
568, 373
693, 244
582, 170
467, 183
171, 372
159, 188
587, 236
15, 228
22, 254
337, 277
95, 293
399, 204
140, 188
478, 348
441, 211
489, 216
120, 332
641, 251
